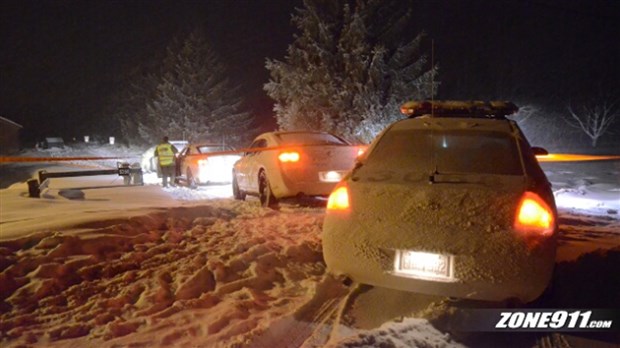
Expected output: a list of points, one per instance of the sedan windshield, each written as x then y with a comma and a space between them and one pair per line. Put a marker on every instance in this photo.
470, 152
309, 139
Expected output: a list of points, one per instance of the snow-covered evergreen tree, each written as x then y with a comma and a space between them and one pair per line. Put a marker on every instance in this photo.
347, 72
195, 100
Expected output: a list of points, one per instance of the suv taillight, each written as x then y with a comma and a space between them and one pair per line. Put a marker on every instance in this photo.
339, 199
534, 215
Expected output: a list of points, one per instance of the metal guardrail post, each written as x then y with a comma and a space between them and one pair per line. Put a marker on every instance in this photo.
136, 174
33, 188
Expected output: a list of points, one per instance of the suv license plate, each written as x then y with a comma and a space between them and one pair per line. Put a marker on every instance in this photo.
124, 171
331, 176
424, 265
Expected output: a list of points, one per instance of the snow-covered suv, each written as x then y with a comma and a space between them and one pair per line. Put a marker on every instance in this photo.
451, 202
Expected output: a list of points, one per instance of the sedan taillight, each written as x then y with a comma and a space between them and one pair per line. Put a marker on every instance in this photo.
289, 156
361, 150
339, 199
534, 215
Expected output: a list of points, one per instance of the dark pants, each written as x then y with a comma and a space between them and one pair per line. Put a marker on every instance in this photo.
167, 172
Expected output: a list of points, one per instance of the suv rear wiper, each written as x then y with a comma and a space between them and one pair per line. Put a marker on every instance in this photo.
454, 178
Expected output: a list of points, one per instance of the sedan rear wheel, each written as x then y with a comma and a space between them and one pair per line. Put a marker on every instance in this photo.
237, 193
267, 199
191, 182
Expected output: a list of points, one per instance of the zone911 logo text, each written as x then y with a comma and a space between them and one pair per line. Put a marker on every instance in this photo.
554, 320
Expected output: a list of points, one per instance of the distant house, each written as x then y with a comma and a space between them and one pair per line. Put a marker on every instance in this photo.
9, 136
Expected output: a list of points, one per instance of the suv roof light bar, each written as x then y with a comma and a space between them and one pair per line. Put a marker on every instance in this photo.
453, 108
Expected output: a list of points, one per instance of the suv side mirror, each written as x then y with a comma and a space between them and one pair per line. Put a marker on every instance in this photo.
539, 151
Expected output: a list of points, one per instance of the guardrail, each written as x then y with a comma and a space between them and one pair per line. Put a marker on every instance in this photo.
132, 176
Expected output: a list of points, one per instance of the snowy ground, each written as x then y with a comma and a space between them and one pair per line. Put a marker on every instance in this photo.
92, 265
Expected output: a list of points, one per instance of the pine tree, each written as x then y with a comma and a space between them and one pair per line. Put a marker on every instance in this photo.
346, 72
194, 100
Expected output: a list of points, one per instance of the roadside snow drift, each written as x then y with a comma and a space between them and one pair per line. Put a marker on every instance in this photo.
189, 276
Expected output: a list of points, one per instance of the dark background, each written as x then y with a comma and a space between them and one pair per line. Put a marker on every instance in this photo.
60, 61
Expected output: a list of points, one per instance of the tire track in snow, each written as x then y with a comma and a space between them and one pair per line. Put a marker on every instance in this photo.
312, 323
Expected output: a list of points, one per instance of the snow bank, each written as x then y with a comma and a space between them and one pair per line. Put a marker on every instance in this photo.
590, 188
597, 199
411, 332
200, 276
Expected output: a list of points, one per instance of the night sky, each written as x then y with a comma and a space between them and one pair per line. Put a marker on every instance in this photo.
60, 61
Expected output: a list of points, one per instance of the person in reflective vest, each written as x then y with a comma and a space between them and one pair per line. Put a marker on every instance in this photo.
166, 156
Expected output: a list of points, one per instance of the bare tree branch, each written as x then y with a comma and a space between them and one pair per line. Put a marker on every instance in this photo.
595, 118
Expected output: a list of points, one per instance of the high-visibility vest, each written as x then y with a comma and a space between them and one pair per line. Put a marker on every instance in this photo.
165, 155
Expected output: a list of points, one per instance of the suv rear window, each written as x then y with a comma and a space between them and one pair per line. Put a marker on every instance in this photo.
212, 148
470, 152
310, 139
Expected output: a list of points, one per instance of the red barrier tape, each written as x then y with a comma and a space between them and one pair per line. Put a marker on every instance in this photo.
567, 157
55, 159
219, 153
553, 157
